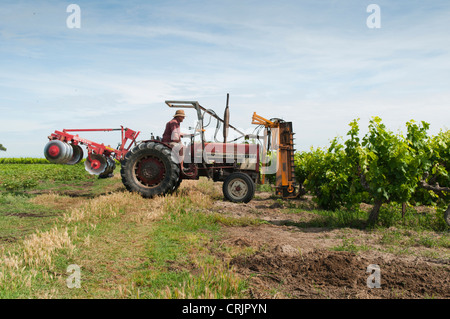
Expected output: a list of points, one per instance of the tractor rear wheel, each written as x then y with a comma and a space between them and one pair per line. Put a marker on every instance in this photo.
150, 170
238, 188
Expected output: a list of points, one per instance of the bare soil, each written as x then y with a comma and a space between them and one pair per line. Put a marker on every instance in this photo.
284, 258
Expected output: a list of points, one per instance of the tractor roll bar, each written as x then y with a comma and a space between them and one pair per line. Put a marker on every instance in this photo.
199, 108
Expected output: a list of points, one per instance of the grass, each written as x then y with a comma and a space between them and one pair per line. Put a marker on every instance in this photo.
391, 216
55, 172
179, 261
408, 238
157, 248
329, 219
101, 224
43, 178
43, 232
394, 237
166, 247
236, 221
348, 244
265, 188
20, 216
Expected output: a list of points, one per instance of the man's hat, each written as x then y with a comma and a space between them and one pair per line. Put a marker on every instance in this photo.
179, 113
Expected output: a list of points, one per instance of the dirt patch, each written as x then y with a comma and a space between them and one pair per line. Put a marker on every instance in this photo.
269, 236
289, 257
268, 208
55, 201
327, 274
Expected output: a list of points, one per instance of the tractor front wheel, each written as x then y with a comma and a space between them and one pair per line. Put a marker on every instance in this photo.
150, 170
238, 188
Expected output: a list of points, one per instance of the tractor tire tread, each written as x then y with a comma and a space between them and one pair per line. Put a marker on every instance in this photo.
166, 186
250, 184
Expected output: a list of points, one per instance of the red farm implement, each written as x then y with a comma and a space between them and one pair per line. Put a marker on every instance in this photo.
64, 147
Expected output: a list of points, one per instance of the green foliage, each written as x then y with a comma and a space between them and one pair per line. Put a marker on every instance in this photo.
436, 158
381, 167
326, 174
391, 216
332, 174
391, 165
24, 160
16, 184
2, 148
269, 160
15, 177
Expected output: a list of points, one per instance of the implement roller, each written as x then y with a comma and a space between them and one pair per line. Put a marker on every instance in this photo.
64, 148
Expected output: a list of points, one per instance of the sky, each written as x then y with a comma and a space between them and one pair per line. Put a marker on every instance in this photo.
314, 62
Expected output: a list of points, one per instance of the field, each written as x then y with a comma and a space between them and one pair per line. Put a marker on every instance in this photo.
193, 244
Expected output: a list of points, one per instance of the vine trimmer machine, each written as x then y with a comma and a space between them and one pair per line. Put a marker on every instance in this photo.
152, 167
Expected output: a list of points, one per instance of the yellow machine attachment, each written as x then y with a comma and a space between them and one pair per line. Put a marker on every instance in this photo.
280, 140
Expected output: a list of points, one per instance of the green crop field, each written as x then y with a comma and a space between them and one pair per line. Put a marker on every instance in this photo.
17, 177
23, 160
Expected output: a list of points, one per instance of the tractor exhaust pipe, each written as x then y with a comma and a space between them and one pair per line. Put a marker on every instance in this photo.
226, 120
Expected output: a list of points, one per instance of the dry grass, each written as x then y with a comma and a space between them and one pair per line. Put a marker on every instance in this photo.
205, 186
135, 207
18, 270
39, 248
35, 253
34, 256
56, 201
214, 281
200, 193
13, 274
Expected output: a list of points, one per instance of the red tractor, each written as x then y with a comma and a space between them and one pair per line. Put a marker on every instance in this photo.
151, 167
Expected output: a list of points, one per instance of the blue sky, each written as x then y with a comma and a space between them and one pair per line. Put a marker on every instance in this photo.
315, 63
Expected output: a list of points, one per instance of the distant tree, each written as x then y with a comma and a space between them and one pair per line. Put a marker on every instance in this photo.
2, 148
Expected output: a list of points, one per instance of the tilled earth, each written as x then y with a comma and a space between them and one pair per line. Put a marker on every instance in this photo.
283, 260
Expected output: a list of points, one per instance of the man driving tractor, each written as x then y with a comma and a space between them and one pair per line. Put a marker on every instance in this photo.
172, 134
